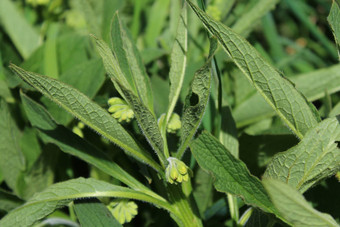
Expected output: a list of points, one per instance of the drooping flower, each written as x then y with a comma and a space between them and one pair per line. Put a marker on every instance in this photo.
177, 171
120, 109
123, 210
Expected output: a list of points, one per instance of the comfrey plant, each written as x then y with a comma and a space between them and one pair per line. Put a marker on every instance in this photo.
274, 199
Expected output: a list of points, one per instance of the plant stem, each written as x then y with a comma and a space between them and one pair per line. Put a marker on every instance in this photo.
185, 215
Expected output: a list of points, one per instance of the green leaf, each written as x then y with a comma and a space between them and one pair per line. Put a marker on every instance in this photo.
194, 106
91, 212
178, 62
231, 174
147, 122
130, 61
16, 25
12, 161
36, 114
87, 111
246, 22
60, 194
156, 20
313, 159
281, 95
9, 201
72, 144
293, 206
334, 20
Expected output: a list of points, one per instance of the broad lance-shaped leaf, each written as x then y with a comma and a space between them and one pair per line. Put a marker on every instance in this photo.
87, 111
72, 144
293, 206
130, 61
146, 121
194, 107
281, 95
313, 159
231, 174
178, 62
312, 85
334, 20
12, 159
60, 194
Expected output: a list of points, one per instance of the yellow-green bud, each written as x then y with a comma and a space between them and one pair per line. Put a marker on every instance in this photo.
78, 129
120, 109
176, 171
174, 123
123, 210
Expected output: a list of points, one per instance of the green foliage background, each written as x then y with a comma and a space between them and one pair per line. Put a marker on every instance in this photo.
52, 38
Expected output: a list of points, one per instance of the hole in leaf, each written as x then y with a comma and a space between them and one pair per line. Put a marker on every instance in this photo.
194, 99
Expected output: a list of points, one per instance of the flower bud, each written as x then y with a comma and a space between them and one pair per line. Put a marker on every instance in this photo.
174, 123
176, 171
123, 210
120, 109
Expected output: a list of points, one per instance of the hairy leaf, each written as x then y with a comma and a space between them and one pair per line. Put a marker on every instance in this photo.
72, 144
293, 207
194, 107
130, 61
87, 111
231, 175
313, 159
281, 95
60, 194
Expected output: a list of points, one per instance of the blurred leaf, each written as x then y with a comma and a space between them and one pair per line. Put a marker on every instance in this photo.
293, 206
281, 95
178, 62
30, 147
22, 34
87, 111
246, 22
12, 161
334, 20
156, 20
203, 190
312, 85
231, 175
313, 159
60, 194
9, 201
109, 7
91, 212
130, 62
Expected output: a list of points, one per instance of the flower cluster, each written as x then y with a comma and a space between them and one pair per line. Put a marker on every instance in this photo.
177, 171
174, 123
120, 109
123, 210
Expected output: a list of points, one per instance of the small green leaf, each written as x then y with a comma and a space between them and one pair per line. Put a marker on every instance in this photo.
281, 95
178, 62
231, 175
334, 20
194, 107
87, 111
91, 212
313, 159
130, 61
16, 25
60, 194
293, 206
12, 161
